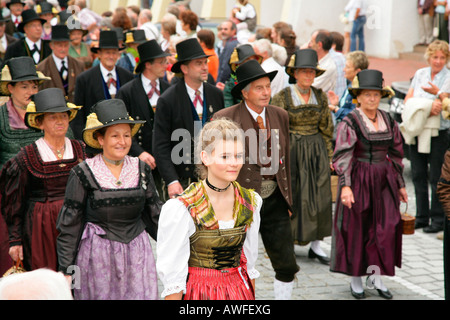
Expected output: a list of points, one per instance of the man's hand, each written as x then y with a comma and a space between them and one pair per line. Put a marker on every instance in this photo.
148, 159
174, 190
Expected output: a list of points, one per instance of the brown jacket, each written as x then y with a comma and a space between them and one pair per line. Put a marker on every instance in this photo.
443, 186
250, 176
48, 68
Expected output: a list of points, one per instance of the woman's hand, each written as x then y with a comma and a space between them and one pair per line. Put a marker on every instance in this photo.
333, 98
436, 107
16, 253
347, 197
403, 195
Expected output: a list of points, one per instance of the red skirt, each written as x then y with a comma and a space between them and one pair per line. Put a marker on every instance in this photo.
212, 284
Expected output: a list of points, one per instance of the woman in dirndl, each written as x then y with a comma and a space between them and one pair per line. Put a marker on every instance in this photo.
18, 82
311, 130
33, 183
110, 208
367, 233
208, 237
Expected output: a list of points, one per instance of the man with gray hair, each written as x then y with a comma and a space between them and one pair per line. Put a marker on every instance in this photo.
145, 23
263, 47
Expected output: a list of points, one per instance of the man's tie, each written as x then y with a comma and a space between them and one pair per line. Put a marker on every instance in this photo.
260, 122
33, 51
63, 70
16, 22
198, 98
153, 90
111, 81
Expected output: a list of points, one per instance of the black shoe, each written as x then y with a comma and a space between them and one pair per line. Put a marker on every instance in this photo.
419, 225
322, 259
433, 229
357, 295
385, 294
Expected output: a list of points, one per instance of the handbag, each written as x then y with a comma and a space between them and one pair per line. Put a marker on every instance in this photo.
408, 222
16, 268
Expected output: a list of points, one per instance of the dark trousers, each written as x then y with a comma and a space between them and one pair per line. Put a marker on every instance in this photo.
420, 177
276, 235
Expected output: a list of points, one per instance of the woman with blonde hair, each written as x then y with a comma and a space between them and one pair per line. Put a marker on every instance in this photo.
424, 94
209, 234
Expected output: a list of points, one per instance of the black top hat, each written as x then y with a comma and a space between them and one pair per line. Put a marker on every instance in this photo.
60, 32
247, 73
48, 101
46, 7
19, 69
108, 40
135, 36
28, 16
14, 1
370, 80
304, 59
188, 50
107, 113
242, 53
147, 51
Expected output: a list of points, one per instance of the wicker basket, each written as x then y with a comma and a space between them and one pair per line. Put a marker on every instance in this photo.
16, 268
334, 187
408, 222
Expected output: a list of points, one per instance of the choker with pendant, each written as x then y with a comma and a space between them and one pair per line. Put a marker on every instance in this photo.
373, 119
215, 188
114, 162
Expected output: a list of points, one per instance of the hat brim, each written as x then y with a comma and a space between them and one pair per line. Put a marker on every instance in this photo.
291, 70
176, 68
85, 32
30, 117
89, 133
95, 49
236, 92
4, 83
22, 24
140, 66
386, 92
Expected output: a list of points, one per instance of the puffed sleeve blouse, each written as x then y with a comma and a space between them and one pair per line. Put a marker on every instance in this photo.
175, 228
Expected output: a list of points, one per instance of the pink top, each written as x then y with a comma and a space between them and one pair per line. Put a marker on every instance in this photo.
129, 176
15, 120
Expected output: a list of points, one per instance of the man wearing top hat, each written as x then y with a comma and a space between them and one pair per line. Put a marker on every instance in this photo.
141, 96
100, 82
267, 167
15, 7
32, 45
62, 68
5, 39
186, 105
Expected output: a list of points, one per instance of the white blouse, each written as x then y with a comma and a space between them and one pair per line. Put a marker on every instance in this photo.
173, 247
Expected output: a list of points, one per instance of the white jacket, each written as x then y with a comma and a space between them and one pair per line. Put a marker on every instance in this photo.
416, 122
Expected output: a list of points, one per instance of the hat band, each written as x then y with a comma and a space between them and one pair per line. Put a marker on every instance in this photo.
118, 119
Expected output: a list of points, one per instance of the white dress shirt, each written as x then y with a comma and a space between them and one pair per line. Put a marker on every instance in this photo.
58, 63
255, 114
105, 72
191, 94
37, 55
146, 83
